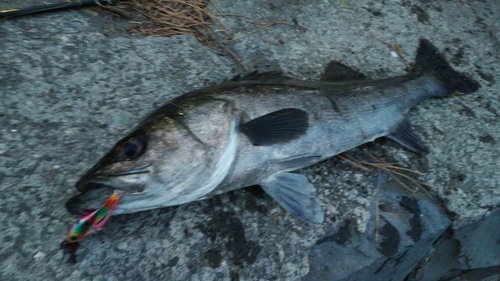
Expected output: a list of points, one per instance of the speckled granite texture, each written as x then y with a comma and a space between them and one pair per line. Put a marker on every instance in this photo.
70, 88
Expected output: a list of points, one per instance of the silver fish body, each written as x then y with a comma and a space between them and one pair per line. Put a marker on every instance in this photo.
257, 129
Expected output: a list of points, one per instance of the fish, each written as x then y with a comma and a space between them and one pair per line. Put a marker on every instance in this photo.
258, 129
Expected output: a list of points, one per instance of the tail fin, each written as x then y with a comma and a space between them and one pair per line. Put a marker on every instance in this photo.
429, 59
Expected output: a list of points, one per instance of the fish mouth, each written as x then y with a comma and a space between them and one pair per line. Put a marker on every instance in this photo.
95, 189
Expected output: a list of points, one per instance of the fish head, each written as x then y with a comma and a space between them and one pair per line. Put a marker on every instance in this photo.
166, 162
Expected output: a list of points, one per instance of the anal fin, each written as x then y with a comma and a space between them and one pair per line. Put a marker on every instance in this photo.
405, 136
276, 127
296, 195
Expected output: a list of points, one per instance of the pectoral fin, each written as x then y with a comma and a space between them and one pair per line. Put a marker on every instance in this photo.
405, 136
296, 195
276, 127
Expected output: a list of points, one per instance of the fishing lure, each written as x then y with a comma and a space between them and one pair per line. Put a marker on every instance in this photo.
89, 224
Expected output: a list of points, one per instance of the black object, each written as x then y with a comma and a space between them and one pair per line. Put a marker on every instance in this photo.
10, 13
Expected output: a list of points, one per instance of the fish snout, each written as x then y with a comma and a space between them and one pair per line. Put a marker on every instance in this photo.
95, 189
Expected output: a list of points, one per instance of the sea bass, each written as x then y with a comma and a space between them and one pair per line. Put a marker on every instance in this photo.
256, 130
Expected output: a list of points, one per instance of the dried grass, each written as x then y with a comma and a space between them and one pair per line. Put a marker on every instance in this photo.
171, 17
192, 17
399, 174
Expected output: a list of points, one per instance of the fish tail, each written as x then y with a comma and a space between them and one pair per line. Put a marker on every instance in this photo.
430, 60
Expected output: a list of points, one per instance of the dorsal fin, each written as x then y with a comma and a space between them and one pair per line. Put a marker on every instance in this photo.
336, 71
264, 76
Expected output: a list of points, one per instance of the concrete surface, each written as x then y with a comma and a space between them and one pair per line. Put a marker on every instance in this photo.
70, 87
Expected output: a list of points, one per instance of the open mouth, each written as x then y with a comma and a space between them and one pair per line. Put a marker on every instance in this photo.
96, 188
129, 181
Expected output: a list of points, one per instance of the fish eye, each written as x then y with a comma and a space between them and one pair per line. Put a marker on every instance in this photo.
129, 148
72, 238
